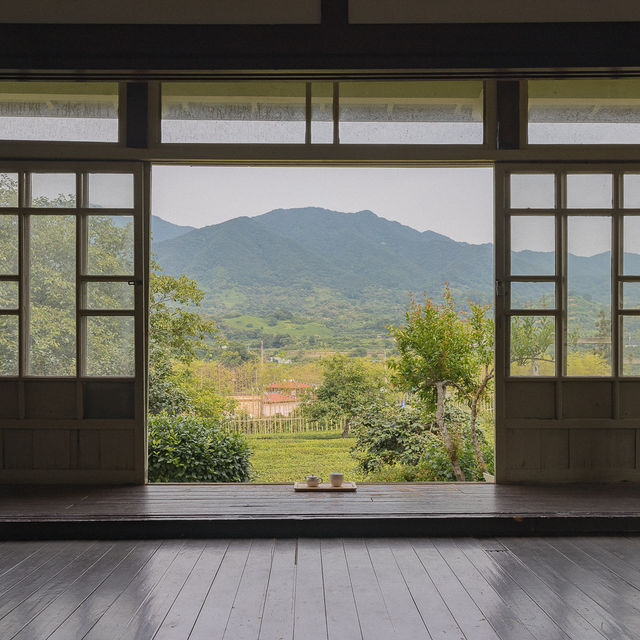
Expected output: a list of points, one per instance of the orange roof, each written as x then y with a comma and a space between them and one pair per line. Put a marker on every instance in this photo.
289, 384
272, 397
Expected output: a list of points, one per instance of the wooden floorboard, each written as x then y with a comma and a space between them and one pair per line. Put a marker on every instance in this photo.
350, 589
375, 510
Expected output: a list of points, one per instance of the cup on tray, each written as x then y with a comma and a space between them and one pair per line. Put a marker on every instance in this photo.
336, 479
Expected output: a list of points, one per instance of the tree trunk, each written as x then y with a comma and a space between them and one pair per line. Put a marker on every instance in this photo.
345, 431
474, 417
449, 445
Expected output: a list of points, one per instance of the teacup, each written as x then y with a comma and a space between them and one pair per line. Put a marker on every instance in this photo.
336, 479
313, 481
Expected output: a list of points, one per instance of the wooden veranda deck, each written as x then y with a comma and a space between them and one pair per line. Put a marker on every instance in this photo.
322, 589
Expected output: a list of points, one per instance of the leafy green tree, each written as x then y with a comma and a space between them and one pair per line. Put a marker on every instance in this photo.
177, 331
479, 385
435, 349
347, 385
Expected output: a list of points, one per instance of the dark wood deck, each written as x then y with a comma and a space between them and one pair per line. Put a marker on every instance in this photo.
154, 511
329, 589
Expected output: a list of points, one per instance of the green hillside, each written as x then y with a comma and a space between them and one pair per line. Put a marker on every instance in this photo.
338, 279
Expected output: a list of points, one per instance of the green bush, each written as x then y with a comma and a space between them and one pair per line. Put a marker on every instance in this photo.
400, 444
189, 449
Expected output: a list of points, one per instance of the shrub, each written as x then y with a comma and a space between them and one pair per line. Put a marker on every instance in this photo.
189, 449
401, 444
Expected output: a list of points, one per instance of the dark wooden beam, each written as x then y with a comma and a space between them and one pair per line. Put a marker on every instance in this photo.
137, 105
176, 49
508, 108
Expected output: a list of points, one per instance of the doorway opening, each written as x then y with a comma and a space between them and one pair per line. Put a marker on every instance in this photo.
288, 314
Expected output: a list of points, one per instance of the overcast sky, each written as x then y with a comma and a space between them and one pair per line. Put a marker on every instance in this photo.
455, 202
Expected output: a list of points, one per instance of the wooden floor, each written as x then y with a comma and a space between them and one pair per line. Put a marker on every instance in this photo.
329, 589
168, 511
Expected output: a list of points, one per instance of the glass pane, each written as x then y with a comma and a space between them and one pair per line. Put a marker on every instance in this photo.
533, 341
8, 345
110, 295
630, 298
584, 111
53, 190
8, 245
589, 191
533, 245
8, 295
322, 112
533, 191
589, 296
631, 346
110, 349
111, 190
52, 313
533, 295
110, 250
64, 111
411, 112
8, 189
631, 257
234, 112
631, 191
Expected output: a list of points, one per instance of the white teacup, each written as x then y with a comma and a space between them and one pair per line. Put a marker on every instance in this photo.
313, 481
336, 479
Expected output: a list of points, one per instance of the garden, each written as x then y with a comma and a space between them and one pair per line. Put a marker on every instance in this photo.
421, 415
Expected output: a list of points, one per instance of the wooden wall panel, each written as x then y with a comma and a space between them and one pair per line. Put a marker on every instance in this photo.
554, 449
18, 449
613, 449
89, 449
109, 400
9, 394
523, 449
530, 399
50, 400
629, 399
52, 448
587, 399
117, 449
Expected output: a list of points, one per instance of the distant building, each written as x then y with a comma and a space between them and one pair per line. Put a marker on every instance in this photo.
275, 403
279, 398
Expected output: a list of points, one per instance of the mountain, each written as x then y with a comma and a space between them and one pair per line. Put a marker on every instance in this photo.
292, 258
163, 230
351, 269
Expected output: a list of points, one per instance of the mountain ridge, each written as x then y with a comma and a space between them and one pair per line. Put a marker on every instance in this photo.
301, 258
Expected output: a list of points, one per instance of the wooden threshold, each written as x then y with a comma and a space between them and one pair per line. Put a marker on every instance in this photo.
275, 510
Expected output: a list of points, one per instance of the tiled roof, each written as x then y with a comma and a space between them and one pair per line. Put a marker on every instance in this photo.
289, 384
273, 396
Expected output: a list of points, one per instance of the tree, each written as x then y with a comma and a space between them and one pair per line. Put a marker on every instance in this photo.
435, 354
482, 331
177, 331
347, 385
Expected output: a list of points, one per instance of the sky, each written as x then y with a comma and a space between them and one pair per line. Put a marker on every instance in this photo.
456, 202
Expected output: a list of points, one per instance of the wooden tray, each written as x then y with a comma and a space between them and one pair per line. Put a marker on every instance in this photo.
325, 486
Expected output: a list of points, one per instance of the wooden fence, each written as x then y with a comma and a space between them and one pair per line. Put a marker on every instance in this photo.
280, 424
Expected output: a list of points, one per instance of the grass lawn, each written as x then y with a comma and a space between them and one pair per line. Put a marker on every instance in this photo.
287, 457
